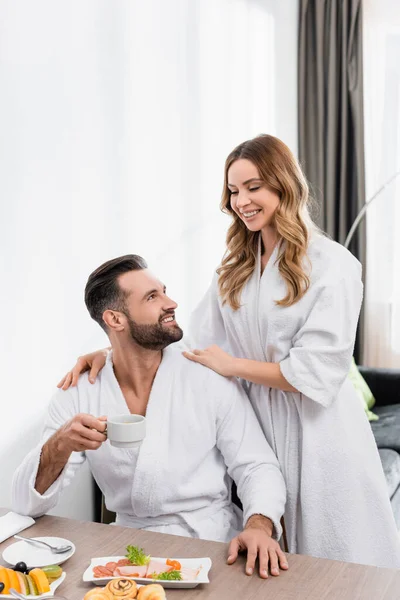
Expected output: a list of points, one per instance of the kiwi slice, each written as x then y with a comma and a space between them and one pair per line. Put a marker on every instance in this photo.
52, 572
33, 590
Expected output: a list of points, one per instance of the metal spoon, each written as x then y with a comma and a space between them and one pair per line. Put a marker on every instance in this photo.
16, 594
55, 549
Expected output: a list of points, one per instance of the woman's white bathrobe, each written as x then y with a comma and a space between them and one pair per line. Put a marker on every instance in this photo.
200, 428
337, 499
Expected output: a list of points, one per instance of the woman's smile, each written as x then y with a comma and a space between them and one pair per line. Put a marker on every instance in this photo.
250, 215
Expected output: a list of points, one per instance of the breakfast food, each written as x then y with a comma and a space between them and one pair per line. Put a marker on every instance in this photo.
4, 580
131, 571
139, 565
52, 572
13, 579
98, 593
21, 566
117, 589
122, 588
39, 577
154, 591
33, 582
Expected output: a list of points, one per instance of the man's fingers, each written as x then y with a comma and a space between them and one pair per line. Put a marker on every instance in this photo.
84, 433
282, 559
263, 559
87, 445
274, 566
233, 551
93, 436
251, 559
90, 422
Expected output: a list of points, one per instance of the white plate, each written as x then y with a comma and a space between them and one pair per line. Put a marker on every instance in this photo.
53, 586
37, 556
191, 563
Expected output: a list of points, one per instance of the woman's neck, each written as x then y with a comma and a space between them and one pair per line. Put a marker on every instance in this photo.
269, 238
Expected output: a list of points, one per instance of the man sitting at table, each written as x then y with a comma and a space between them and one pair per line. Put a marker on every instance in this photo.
201, 431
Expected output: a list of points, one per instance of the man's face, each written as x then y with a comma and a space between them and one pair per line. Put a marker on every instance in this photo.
150, 313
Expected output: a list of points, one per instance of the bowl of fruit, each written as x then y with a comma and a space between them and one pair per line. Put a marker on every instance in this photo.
30, 582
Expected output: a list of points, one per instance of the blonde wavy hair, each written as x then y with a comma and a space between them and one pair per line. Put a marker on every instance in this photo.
282, 174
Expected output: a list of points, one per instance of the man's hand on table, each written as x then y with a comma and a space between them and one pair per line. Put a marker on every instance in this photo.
256, 539
82, 432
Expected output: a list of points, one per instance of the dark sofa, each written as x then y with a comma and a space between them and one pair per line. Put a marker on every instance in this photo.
385, 386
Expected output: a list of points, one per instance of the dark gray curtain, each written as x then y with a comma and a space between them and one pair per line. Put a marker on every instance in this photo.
331, 127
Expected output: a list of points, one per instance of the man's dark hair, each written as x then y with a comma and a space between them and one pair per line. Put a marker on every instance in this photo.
102, 291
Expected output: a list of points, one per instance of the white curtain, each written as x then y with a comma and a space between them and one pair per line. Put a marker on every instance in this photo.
382, 153
115, 120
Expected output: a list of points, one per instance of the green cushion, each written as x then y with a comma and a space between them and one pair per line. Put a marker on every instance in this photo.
363, 391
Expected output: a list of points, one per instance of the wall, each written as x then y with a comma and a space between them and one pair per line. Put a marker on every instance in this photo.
115, 121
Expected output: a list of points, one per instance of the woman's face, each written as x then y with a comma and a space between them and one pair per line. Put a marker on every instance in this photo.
251, 200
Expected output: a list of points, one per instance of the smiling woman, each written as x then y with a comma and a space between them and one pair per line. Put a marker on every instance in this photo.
266, 189
281, 315
251, 197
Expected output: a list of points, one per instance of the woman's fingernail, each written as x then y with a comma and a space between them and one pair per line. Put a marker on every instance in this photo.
249, 571
264, 573
275, 571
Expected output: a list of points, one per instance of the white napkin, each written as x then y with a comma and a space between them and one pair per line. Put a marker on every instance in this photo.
13, 523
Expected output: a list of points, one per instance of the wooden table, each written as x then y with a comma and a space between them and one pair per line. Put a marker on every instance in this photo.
307, 578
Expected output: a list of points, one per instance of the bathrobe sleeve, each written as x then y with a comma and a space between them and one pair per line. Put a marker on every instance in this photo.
319, 361
250, 461
25, 499
206, 325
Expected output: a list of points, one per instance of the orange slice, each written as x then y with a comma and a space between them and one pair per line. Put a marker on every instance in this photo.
39, 577
13, 580
4, 579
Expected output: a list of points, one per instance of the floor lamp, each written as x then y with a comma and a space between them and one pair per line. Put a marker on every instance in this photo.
364, 209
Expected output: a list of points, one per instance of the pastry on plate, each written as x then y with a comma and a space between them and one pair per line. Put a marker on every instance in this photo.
98, 593
153, 591
122, 589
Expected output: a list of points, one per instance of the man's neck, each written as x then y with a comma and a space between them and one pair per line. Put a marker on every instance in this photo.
135, 369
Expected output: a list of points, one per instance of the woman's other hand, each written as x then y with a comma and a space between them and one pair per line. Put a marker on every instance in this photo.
214, 358
93, 362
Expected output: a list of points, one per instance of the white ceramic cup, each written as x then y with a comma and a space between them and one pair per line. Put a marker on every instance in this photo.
126, 431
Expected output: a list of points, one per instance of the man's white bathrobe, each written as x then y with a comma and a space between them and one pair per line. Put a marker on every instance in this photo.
337, 499
201, 431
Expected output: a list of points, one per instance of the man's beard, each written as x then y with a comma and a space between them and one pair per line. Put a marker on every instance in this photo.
154, 337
